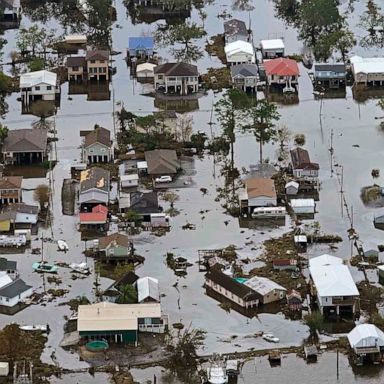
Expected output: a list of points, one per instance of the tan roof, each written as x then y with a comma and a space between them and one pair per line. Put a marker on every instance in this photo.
260, 187
94, 177
11, 182
162, 161
107, 316
117, 238
99, 135
26, 140
97, 54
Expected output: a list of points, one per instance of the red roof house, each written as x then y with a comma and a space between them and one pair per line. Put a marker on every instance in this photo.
281, 71
98, 215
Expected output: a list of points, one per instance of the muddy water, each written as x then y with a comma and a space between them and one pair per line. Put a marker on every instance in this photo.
352, 123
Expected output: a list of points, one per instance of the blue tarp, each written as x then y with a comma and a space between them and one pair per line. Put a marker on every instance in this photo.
140, 43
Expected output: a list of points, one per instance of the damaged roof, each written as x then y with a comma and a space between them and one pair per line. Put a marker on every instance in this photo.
114, 239
235, 27
11, 182
300, 159
26, 140
94, 177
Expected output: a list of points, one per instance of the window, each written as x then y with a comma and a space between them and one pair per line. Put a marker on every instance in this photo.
49, 87
101, 61
93, 61
172, 78
37, 88
75, 69
102, 69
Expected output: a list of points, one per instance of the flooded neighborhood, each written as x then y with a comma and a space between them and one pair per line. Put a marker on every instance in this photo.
191, 191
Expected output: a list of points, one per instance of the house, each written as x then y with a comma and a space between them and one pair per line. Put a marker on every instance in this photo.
380, 272
368, 71
230, 289
240, 52
4, 369
372, 255
180, 78
10, 189
25, 146
97, 147
144, 203
292, 188
267, 290
162, 162
301, 243
77, 68
12, 292
39, 85
294, 301
119, 323
330, 75
94, 187
333, 286
147, 290
11, 12
9, 267
114, 247
18, 215
235, 30
273, 48
140, 47
114, 290
284, 264
282, 72
302, 167
258, 192
97, 65
97, 219
367, 344
129, 181
145, 71
303, 206
245, 76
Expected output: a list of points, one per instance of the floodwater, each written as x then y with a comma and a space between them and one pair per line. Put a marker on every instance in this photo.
352, 124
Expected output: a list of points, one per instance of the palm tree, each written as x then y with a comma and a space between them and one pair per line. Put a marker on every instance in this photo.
128, 295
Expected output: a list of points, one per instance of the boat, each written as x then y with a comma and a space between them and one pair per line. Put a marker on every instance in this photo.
270, 338
63, 246
80, 268
37, 327
216, 372
43, 266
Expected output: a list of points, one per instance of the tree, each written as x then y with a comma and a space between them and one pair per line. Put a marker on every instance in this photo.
198, 140
32, 38
183, 349
41, 195
261, 116
372, 21
183, 34
171, 198
128, 295
36, 64
184, 124
3, 134
299, 139
315, 322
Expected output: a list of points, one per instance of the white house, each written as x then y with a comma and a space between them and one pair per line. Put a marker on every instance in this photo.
272, 48
368, 70
303, 206
13, 292
39, 85
268, 290
366, 340
145, 71
291, 188
333, 285
240, 52
129, 181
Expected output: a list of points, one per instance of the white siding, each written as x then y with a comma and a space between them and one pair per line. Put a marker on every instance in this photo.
262, 201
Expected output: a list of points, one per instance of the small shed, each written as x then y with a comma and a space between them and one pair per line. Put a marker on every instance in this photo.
145, 71
272, 48
292, 188
303, 206
129, 181
301, 242
294, 301
310, 352
284, 264
141, 46
4, 369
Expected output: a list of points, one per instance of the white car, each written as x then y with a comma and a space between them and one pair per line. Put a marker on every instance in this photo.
163, 179
271, 338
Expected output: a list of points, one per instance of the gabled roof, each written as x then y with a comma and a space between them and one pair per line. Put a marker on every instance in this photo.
11, 182
177, 69
145, 67
114, 239
21, 208
336, 68
260, 187
14, 289
240, 290
97, 54
244, 70
93, 217
239, 46
76, 61
162, 161
6, 265
365, 336
144, 203
26, 140
281, 67
235, 27
147, 287
262, 285
98, 135
331, 277
94, 177
28, 80
142, 42
367, 64
300, 159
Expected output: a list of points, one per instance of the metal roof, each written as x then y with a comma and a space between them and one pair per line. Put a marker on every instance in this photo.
28, 80
14, 289
142, 42
147, 287
262, 285
272, 44
365, 336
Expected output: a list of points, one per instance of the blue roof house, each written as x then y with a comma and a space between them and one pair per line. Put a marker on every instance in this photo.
140, 47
